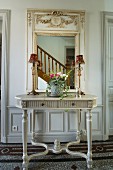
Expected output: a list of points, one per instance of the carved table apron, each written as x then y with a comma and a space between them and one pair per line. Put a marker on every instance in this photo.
41, 101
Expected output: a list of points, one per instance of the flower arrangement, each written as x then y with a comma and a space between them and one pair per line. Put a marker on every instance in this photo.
58, 84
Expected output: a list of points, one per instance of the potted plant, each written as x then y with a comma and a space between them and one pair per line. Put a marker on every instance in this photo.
57, 86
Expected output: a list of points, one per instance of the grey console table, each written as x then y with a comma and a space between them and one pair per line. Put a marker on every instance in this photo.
41, 101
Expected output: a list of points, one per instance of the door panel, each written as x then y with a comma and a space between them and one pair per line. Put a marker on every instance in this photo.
109, 76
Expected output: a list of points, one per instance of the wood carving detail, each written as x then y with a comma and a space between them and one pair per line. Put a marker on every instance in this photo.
23, 104
29, 18
90, 104
58, 19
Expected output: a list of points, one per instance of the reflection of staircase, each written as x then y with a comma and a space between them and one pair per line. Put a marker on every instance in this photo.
49, 64
43, 75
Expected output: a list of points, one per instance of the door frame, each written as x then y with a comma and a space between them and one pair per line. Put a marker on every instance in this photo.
5, 17
107, 17
65, 54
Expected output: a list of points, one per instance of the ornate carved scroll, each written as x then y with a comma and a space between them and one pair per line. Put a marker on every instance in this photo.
70, 20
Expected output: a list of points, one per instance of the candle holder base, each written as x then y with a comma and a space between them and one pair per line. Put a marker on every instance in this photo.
33, 92
78, 92
82, 93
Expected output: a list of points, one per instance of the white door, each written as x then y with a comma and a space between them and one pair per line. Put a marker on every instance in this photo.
107, 58
110, 76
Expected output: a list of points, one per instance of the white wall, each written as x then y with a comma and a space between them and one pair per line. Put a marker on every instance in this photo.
0, 26
0, 31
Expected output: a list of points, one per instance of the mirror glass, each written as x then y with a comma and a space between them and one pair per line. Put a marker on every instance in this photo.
54, 52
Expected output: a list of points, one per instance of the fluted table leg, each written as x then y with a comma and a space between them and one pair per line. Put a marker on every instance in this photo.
24, 139
33, 125
89, 139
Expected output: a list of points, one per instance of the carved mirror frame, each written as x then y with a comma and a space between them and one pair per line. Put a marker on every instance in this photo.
53, 23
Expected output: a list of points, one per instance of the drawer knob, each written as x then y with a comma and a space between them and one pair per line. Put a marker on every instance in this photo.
73, 104
42, 104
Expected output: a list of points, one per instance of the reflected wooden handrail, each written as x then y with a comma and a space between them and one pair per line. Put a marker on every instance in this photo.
49, 63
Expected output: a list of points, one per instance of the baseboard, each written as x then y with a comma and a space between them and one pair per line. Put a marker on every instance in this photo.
3, 139
42, 138
51, 138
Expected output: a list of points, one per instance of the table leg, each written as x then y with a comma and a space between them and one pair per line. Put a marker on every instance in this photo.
78, 124
24, 139
89, 138
33, 125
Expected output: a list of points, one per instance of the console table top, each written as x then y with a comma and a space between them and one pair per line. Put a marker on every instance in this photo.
42, 96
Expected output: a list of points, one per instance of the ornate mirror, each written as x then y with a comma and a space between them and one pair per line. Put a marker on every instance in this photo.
57, 37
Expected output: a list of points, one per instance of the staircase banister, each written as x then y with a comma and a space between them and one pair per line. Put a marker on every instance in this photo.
51, 56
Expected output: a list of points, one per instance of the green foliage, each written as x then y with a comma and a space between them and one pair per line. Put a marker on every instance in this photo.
58, 79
